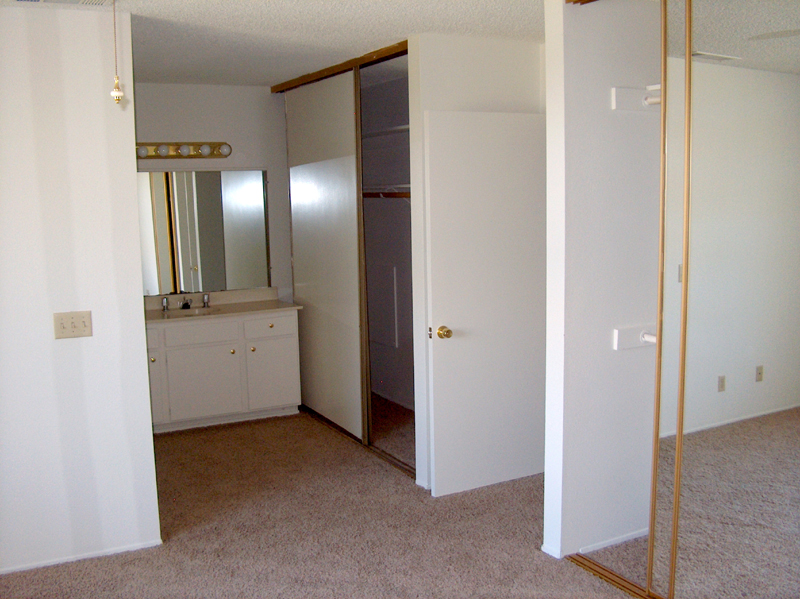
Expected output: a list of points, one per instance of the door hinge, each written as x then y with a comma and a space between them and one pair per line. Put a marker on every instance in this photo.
430, 332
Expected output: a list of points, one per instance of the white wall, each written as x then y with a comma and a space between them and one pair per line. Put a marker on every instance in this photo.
745, 245
77, 474
251, 120
455, 73
603, 206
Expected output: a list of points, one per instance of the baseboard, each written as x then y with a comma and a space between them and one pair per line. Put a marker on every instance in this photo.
168, 427
75, 558
705, 427
551, 552
615, 541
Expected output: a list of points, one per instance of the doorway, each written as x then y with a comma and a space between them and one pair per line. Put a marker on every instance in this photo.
385, 181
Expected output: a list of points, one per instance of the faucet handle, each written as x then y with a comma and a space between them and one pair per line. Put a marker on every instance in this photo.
205, 300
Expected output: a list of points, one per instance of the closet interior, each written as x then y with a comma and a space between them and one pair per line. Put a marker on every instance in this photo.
385, 177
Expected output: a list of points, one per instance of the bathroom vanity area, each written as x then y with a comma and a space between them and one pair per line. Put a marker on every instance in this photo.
236, 359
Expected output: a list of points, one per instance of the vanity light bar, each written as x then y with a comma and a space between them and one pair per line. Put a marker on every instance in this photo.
184, 149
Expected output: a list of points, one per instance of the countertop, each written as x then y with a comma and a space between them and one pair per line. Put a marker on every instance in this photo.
153, 316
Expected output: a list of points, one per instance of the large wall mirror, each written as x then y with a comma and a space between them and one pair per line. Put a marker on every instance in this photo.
725, 518
736, 497
203, 231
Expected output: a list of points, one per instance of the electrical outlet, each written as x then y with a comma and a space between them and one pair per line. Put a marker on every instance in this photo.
721, 383
759, 374
72, 324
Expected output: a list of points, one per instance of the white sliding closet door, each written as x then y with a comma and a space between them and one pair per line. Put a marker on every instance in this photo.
322, 160
485, 181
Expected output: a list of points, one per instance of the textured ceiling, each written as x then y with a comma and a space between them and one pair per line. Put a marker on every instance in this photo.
765, 34
265, 42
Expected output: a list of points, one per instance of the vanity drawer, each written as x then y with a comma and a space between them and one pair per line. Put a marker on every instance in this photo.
272, 326
215, 331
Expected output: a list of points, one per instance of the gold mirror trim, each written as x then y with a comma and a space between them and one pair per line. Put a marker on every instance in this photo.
363, 308
662, 240
611, 577
392, 51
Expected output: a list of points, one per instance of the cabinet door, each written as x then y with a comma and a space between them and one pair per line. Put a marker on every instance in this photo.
204, 381
159, 401
273, 372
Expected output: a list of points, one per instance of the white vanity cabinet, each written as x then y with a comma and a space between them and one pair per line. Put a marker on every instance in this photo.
158, 379
272, 351
225, 368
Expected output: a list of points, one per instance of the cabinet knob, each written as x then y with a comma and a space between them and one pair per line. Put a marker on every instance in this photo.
233, 351
271, 325
252, 349
152, 359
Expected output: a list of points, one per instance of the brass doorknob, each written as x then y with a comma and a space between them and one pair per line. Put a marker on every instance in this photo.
444, 333
252, 349
233, 351
152, 359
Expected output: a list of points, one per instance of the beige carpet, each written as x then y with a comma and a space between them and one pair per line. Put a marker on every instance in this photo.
393, 430
739, 531
288, 508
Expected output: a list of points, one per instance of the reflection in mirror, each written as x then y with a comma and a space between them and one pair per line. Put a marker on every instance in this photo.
203, 231
740, 485
664, 475
623, 559
740, 500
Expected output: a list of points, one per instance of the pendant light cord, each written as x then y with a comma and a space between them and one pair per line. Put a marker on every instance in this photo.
114, 13
116, 93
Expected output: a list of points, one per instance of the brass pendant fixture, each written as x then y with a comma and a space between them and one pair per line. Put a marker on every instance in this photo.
116, 93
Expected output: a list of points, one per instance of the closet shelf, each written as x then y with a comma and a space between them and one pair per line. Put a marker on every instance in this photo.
382, 132
387, 188
387, 191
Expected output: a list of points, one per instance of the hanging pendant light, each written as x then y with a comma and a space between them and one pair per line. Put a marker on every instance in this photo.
116, 93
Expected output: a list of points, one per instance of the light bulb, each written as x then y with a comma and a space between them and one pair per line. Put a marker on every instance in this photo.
205, 150
225, 150
163, 150
141, 151
185, 150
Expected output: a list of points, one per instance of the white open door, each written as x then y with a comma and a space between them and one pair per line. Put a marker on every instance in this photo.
184, 202
485, 194
322, 160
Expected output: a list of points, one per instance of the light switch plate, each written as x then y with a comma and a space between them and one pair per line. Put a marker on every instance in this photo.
72, 324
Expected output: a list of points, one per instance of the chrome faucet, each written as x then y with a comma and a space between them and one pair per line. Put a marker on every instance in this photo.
164, 304
205, 300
